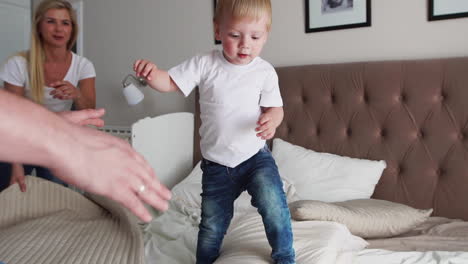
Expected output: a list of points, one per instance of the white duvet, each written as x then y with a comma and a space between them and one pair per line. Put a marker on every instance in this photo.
380, 256
172, 237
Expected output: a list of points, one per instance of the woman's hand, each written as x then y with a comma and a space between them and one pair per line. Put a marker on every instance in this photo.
17, 176
64, 90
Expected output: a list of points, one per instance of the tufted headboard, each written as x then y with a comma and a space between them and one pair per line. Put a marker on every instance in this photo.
413, 114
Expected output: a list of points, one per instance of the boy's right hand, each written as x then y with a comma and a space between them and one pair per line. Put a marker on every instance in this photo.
145, 69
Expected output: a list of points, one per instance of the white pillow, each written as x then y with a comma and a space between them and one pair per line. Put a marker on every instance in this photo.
188, 192
367, 218
326, 177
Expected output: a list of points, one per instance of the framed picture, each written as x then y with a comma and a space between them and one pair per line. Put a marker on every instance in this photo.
217, 42
323, 15
447, 9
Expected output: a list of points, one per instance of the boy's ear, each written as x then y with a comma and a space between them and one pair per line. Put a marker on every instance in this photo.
216, 31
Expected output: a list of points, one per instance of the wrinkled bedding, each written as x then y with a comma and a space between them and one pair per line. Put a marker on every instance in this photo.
438, 241
53, 224
381, 256
171, 239
436, 234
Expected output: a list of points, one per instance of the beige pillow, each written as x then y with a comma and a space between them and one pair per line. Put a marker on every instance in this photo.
367, 218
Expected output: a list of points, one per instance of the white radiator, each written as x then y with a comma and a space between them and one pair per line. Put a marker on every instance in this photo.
122, 132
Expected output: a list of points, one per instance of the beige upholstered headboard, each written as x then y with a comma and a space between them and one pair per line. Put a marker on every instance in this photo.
413, 114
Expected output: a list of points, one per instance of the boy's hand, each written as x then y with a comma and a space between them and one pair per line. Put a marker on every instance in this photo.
265, 129
145, 69
269, 120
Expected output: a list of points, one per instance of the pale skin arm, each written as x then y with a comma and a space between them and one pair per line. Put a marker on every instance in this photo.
83, 100
84, 97
89, 159
17, 170
269, 120
156, 78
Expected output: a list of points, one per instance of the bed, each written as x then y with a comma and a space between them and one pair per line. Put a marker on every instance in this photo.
390, 138
374, 162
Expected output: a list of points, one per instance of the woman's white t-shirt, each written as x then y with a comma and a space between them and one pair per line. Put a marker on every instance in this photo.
15, 72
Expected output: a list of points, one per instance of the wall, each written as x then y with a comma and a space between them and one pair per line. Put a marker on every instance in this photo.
116, 32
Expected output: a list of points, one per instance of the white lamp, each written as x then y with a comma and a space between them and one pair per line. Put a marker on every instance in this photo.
132, 94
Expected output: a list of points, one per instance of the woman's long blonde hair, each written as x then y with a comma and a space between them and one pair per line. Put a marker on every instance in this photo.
36, 55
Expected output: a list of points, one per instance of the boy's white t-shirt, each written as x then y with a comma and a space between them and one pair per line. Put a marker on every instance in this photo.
15, 72
230, 100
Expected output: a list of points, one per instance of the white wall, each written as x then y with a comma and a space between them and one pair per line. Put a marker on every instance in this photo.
116, 32
15, 24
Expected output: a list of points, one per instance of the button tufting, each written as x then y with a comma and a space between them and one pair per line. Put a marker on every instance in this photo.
399, 169
440, 172
383, 133
443, 96
365, 98
421, 134
403, 98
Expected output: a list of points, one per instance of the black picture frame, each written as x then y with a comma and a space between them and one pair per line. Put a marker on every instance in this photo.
436, 12
327, 13
217, 42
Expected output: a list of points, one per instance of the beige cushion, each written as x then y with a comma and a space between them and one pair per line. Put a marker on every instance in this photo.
367, 218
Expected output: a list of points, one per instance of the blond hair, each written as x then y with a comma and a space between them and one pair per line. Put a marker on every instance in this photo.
243, 8
36, 55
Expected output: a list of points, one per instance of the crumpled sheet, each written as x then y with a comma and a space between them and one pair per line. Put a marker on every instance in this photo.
172, 237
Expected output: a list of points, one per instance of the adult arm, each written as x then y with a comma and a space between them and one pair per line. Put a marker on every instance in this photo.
89, 159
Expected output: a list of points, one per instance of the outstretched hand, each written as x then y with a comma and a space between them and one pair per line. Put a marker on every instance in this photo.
85, 116
93, 168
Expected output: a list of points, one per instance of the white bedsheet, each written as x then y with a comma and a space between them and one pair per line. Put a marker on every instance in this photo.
171, 239
380, 256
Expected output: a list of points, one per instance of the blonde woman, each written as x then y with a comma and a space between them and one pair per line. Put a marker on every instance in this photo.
49, 73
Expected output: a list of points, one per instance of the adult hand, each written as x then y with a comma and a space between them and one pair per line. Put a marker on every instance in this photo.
85, 117
64, 90
108, 166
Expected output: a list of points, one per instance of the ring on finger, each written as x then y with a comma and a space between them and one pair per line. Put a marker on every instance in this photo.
141, 189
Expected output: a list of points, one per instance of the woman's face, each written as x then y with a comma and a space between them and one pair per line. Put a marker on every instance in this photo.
56, 28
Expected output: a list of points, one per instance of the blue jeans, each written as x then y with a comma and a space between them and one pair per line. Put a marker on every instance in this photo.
222, 185
5, 174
